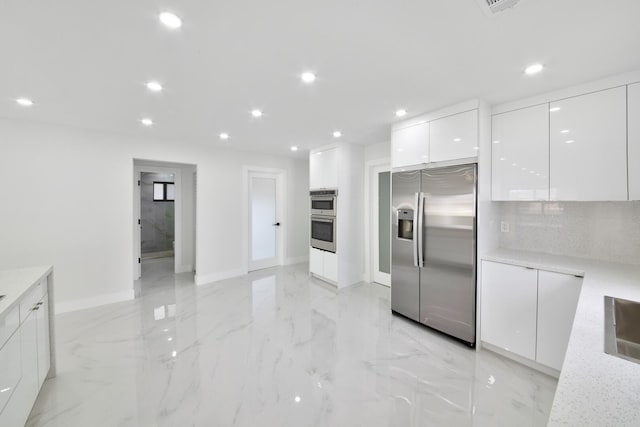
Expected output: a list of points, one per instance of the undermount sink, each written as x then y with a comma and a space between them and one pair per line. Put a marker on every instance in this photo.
622, 328
2, 297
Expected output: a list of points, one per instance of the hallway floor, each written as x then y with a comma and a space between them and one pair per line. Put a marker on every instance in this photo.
274, 348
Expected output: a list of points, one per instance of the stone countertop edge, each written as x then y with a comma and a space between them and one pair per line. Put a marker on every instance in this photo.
594, 388
15, 283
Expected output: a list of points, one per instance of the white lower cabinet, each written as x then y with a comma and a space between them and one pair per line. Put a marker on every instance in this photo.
323, 264
557, 302
25, 360
315, 261
528, 312
509, 308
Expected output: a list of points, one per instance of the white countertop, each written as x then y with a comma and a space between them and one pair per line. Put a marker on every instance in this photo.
594, 389
14, 283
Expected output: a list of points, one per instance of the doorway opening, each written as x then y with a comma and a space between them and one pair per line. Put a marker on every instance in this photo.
164, 227
266, 222
378, 219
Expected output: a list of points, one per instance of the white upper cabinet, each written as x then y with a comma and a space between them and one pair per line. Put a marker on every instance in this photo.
520, 154
410, 145
323, 169
588, 153
634, 141
454, 137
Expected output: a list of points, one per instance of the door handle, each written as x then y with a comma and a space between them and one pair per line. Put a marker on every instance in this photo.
277, 224
420, 230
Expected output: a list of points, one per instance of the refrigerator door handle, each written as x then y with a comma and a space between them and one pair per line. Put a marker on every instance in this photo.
415, 230
420, 230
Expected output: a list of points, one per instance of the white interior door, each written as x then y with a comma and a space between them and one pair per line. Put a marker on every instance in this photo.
381, 224
264, 221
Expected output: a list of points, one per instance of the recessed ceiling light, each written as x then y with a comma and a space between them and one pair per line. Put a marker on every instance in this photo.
496, 142
564, 131
457, 139
502, 158
514, 164
308, 77
146, 121
224, 135
533, 69
554, 109
571, 141
401, 113
154, 86
25, 102
294, 148
476, 148
337, 134
256, 113
170, 20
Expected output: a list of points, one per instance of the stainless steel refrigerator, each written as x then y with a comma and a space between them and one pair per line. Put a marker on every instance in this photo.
433, 272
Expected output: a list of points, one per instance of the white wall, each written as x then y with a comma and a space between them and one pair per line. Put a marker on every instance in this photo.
380, 150
68, 200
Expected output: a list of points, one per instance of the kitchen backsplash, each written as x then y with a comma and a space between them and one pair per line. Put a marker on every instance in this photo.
607, 231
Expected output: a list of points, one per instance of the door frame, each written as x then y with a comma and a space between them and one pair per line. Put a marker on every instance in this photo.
281, 211
137, 214
372, 168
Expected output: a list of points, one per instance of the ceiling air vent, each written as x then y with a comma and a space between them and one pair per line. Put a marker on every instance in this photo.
490, 7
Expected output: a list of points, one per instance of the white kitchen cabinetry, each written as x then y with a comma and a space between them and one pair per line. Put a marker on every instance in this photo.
410, 145
633, 117
26, 359
454, 137
509, 308
588, 147
520, 154
323, 264
557, 302
528, 312
323, 169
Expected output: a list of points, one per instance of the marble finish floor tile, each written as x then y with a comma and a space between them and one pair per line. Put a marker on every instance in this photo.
274, 348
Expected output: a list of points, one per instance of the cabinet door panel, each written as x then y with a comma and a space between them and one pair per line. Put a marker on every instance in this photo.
634, 141
508, 318
315, 170
520, 154
44, 355
315, 261
454, 137
589, 147
330, 171
10, 368
557, 302
410, 146
330, 266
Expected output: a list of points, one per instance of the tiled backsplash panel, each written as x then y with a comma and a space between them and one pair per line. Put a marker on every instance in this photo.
607, 231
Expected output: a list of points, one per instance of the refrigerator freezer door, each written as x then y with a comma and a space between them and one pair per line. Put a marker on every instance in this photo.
448, 278
405, 289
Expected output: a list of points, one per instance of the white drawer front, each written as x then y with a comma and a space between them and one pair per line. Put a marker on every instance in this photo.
31, 298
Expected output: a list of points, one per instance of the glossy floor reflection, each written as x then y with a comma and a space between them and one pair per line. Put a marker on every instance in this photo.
274, 348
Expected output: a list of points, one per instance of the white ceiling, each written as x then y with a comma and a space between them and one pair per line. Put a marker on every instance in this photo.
84, 63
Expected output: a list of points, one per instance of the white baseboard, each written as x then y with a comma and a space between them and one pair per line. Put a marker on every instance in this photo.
83, 303
185, 269
202, 279
296, 260
522, 360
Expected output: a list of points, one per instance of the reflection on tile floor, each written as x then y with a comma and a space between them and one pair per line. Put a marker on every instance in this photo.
274, 348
